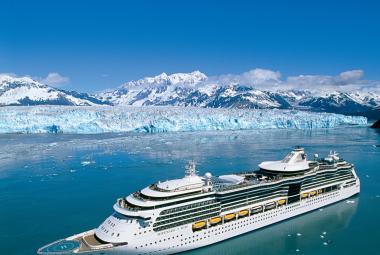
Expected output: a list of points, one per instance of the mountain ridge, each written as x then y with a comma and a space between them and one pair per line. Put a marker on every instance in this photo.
191, 89
26, 91
202, 92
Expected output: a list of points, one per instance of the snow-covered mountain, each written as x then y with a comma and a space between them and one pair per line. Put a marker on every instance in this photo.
26, 91
194, 89
191, 89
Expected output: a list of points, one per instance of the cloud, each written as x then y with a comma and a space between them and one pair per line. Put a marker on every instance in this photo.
345, 81
55, 79
261, 78
265, 79
13, 75
351, 76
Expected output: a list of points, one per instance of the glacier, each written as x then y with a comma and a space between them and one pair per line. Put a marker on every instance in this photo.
155, 119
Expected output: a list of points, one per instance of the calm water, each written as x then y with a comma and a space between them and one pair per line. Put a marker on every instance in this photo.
52, 186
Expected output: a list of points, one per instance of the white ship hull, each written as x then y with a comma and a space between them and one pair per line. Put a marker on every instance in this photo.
183, 238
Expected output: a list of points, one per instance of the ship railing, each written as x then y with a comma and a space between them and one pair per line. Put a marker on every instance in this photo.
122, 203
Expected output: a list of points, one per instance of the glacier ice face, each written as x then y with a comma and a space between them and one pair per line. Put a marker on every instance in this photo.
104, 119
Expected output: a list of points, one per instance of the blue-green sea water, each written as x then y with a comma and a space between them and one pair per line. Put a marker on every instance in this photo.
53, 186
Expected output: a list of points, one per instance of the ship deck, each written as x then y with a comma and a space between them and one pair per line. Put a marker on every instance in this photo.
82, 243
61, 247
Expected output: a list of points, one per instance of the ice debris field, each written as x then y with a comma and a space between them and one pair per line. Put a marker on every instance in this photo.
105, 119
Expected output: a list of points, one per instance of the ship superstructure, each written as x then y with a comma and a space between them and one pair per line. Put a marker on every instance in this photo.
194, 211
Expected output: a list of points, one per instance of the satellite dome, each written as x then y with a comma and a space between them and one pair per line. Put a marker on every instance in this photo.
208, 175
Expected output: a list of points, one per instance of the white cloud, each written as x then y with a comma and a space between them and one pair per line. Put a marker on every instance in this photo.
345, 81
266, 79
260, 78
55, 79
13, 75
351, 76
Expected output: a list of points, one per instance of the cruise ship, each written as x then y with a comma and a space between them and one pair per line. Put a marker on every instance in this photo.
194, 211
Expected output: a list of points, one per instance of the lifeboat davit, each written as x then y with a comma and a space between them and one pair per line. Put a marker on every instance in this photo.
320, 191
199, 225
243, 213
229, 216
281, 202
215, 220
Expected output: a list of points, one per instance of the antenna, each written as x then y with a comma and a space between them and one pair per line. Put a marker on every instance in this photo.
190, 169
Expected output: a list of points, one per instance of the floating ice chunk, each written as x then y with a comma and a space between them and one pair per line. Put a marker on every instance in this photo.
350, 202
87, 162
72, 171
324, 232
367, 175
322, 236
299, 234
289, 235
320, 209
297, 250
325, 243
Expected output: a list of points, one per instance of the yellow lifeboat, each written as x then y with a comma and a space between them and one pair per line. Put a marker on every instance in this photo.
199, 225
313, 193
229, 216
305, 195
281, 202
215, 220
243, 213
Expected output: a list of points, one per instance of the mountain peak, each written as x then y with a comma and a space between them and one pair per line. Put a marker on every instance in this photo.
26, 91
191, 78
6, 79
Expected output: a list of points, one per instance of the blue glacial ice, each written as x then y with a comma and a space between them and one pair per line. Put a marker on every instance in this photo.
105, 119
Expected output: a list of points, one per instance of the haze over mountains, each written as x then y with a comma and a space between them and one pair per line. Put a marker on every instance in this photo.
259, 89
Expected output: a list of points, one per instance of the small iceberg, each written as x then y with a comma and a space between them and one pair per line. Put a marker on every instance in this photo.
350, 202
87, 162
